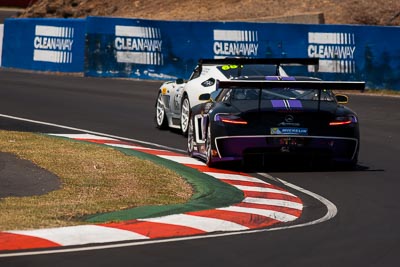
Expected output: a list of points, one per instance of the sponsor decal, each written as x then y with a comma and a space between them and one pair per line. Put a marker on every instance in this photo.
228, 43
138, 45
208, 83
335, 50
289, 131
53, 44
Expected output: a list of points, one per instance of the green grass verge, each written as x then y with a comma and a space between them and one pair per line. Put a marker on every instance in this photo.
103, 184
209, 193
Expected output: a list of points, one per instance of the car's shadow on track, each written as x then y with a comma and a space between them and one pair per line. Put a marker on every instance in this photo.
277, 166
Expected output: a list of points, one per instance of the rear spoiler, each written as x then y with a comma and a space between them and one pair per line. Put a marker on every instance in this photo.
267, 61
320, 85
305, 85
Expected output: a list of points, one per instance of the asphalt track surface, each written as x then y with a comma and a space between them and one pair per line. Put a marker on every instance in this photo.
365, 231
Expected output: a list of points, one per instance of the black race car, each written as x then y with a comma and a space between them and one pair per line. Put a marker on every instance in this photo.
282, 116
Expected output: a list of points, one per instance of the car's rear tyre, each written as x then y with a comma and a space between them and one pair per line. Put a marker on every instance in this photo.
209, 158
160, 117
185, 115
190, 139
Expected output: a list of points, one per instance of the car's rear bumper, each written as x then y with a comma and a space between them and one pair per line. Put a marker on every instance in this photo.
342, 149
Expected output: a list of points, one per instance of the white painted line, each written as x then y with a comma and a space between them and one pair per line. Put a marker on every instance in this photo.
92, 132
331, 208
131, 147
262, 189
235, 177
197, 222
183, 160
276, 215
82, 234
85, 136
274, 202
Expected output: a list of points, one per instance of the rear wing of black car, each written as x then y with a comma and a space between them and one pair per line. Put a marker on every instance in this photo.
304, 85
311, 85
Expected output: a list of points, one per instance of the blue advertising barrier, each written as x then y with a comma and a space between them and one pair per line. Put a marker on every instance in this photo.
142, 49
44, 44
160, 50
150, 49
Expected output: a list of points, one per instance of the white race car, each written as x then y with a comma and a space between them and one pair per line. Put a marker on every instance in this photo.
175, 98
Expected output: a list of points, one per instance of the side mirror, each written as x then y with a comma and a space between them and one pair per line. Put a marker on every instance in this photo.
342, 99
204, 97
179, 81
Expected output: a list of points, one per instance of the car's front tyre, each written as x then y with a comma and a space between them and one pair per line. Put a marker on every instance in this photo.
185, 115
160, 117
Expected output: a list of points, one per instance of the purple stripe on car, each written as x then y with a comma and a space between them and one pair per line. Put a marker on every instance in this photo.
278, 103
295, 104
288, 78
271, 78
287, 104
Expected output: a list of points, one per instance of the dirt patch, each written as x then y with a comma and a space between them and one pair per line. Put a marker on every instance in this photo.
370, 12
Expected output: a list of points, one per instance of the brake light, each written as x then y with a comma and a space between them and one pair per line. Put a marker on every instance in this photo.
230, 119
336, 123
237, 121
343, 121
